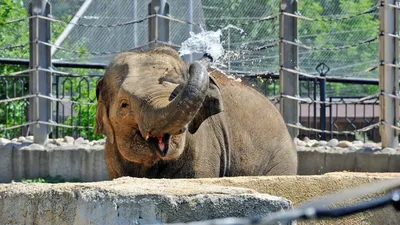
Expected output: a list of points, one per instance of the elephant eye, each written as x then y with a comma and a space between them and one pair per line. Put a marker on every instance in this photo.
124, 108
124, 105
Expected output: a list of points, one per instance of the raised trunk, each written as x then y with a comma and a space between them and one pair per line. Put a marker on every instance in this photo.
172, 118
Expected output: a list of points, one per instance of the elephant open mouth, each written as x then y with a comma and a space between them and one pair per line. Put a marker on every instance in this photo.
160, 143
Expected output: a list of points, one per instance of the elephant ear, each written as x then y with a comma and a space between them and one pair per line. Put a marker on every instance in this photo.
212, 105
103, 125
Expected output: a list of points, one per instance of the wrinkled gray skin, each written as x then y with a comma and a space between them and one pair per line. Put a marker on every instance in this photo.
213, 126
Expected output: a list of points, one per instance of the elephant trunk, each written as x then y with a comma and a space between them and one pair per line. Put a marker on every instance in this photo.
181, 110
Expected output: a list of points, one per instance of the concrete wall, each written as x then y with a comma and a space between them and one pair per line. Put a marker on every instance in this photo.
319, 162
80, 162
143, 201
86, 162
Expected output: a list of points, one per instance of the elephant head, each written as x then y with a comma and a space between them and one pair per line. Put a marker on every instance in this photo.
148, 101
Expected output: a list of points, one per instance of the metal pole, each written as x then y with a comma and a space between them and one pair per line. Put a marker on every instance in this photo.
323, 69
40, 57
388, 76
315, 81
288, 58
322, 97
330, 118
71, 25
229, 49
135, 17
158, 27
190, 25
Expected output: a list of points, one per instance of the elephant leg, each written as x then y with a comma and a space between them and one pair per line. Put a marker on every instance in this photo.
112, 174
114, 165
283, 169
283, 163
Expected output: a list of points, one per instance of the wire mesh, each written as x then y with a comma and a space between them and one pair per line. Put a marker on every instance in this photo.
342, 34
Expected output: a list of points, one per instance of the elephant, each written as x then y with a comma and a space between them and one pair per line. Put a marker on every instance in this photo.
164, 118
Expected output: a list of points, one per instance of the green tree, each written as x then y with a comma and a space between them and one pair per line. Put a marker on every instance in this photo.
17, 33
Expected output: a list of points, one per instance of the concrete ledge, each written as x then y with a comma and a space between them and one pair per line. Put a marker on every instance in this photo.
130, 201
133, 200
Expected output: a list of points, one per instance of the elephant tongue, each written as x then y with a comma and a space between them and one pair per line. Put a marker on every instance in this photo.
161, 144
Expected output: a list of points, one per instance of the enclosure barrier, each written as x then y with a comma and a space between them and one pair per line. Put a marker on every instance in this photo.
41, 69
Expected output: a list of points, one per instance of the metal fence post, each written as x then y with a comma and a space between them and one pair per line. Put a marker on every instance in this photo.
40, 82
289, 83
323, 69
135, 27
158, 27
388, 75
315, 82
330, 118
190, 25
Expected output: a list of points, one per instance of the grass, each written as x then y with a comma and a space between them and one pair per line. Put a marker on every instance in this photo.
48, 179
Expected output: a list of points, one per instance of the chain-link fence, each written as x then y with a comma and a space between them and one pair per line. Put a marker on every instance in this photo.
341, 34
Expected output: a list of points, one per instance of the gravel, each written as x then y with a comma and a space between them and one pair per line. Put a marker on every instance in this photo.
307, 144
336, 146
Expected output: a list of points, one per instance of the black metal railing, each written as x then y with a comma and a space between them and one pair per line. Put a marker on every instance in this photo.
78, 110
342, 113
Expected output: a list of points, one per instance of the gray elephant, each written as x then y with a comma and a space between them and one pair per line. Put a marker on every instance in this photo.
166, 119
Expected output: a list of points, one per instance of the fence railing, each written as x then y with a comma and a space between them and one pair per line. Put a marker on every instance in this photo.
344, 115
67, 102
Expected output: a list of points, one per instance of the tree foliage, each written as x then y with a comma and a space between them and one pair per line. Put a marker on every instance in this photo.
325, 31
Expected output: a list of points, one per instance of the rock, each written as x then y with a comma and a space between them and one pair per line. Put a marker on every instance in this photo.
339, 150
358, 144
33, 147
315, 144
369, 145
4, 141
306, 139
352, 149
21, 139
302, 148
388, 151
101, 142
132, 201
80, 141
14, 140
62, 144
29, 138
51, 141
69, 140
365, 150
301, 143
332, 143
322, 143
295, 140
344, 144
309, 144
51, 146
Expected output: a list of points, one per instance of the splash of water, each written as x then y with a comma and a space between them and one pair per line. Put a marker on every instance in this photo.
209, 42
229, 26
203, 42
